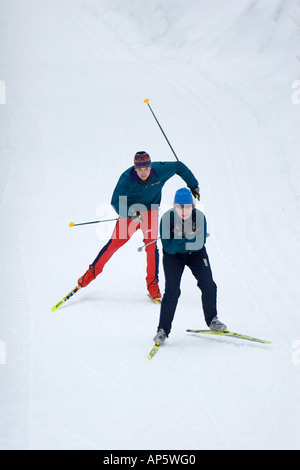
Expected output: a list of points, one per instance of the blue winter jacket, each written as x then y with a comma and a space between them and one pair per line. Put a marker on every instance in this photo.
132, 191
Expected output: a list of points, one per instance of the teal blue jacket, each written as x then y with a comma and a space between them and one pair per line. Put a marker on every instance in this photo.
146, 196
183, 237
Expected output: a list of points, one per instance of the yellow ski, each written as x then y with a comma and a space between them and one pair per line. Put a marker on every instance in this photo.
153, 350
156, 300
231, 334
65, 298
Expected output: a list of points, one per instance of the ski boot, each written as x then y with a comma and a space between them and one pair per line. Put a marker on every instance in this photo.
160, 336
217, 325
154, 292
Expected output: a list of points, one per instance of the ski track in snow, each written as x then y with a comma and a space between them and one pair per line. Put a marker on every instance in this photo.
86, 382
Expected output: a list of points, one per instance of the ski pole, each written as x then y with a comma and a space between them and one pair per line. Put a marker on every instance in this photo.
147, 102
147, 244
71, 224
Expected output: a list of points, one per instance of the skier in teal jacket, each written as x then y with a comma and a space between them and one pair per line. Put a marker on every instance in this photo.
136, 199
183, 235
146, 194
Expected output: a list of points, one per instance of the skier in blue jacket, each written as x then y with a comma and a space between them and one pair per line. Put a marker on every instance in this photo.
183, 235
136, 199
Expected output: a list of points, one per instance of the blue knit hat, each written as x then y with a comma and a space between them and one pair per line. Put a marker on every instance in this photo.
183, 196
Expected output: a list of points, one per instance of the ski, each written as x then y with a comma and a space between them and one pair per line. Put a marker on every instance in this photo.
153, 350
231, 334
65, 298
156, 300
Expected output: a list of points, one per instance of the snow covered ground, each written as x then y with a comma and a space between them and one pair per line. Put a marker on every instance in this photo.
220, 77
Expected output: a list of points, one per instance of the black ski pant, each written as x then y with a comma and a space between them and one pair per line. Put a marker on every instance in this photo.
174, 265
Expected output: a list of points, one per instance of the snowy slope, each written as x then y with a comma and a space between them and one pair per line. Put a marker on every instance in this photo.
219, 75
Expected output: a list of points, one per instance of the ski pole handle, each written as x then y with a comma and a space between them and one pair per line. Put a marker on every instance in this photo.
147, 244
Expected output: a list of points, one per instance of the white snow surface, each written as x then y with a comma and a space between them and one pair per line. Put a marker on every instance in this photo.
219, 75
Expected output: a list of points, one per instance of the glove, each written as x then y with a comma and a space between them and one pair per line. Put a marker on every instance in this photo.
135, 216
196, 192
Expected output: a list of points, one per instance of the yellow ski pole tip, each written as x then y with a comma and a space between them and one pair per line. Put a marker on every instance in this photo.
146, 100
71, 224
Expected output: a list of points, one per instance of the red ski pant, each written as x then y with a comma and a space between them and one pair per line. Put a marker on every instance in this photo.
124, 230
